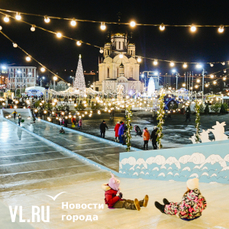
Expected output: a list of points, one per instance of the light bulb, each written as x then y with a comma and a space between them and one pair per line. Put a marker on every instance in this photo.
211, 65
139, 60
46, 19
120, 55
78, 43
212, 76
172, 64
193, 28
28, 58
132, 24
162, 27
42, 69
102, 26
73, 22
101, 50
155, 62
185, 65
18, 17
214, 82
221, 29
33, 28
223, 63
15, 45
6, 18
59, 35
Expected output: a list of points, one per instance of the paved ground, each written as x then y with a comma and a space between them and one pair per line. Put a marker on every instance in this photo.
31, 169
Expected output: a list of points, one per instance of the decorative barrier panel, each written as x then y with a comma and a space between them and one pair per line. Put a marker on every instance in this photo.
207, 161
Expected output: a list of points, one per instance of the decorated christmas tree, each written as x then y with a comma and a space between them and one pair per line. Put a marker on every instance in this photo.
79, 82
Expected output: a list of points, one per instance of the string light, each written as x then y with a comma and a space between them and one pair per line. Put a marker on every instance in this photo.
73, 22
139, 59
132, 24
46, 19
6, 19
185, 65
211, 76
78, 43
15, 45
221, 29
101, 50
193, 28
162, 27
18, 16
155, 62
102, 26
172, 64
211, 65
42, 69
28, 58
59, 35
0, 27
33, 28
198, 80
223, 63
214, 82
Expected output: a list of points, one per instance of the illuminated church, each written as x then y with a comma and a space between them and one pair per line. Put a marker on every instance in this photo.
119, 66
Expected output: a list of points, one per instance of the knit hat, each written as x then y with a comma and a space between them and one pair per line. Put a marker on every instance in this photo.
193, 183
114, 183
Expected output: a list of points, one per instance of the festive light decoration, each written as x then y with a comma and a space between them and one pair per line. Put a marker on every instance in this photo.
197, 122
18, 16
221, 29
28, 58
132, 24
78, 43
162, 27
42, 69
33, 28
139, 59
15, 45
6, 19
73, 22
193, 28
59, 35
129, 127
46, 19
185, 65
102, 26
172, 64
155, 62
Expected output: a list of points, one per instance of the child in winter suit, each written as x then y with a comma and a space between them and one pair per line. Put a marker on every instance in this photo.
113, 197
191, 205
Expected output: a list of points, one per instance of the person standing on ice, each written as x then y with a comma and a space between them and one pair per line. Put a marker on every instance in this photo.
153, 137
116, 131
103, 127
146, 137
191, 206
121, 131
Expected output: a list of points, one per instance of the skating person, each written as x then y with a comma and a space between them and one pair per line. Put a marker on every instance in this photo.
19, 119
121, 131
146, 137
191, 205
113, 197
103, 127
15, 114
80, 123
116, 131
154, 137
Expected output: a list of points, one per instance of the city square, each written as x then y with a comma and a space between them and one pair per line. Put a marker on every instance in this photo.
109, 132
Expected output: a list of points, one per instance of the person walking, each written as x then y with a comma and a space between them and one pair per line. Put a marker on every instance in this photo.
188, 114
116, 128
15, 114
154, 137
19, 119
103, 127
121, 131
146, 137
191, 206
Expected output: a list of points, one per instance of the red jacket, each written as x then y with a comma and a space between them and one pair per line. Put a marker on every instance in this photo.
116, 129
146, 135
110, 196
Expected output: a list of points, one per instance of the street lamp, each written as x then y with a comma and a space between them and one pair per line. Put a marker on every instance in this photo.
200, 66
174, 71
54, 81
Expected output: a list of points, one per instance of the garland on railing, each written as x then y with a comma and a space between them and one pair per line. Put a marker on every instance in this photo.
129, 127
197, 122
160, 118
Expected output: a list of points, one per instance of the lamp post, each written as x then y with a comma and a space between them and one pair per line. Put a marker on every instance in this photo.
177, 75
54, 82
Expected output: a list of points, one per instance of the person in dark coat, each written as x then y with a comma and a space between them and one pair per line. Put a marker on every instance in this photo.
103, 127
188, 114
19, 119
154, 137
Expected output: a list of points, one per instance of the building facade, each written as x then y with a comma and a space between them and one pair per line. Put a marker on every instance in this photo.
119, 66
21, 77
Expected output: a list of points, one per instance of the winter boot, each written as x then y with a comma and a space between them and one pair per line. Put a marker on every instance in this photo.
137, 205
159, 206
165, 201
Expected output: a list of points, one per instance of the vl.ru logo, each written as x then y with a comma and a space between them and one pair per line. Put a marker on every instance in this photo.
38, 214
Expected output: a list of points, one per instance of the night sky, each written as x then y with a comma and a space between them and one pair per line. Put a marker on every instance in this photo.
176, 44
